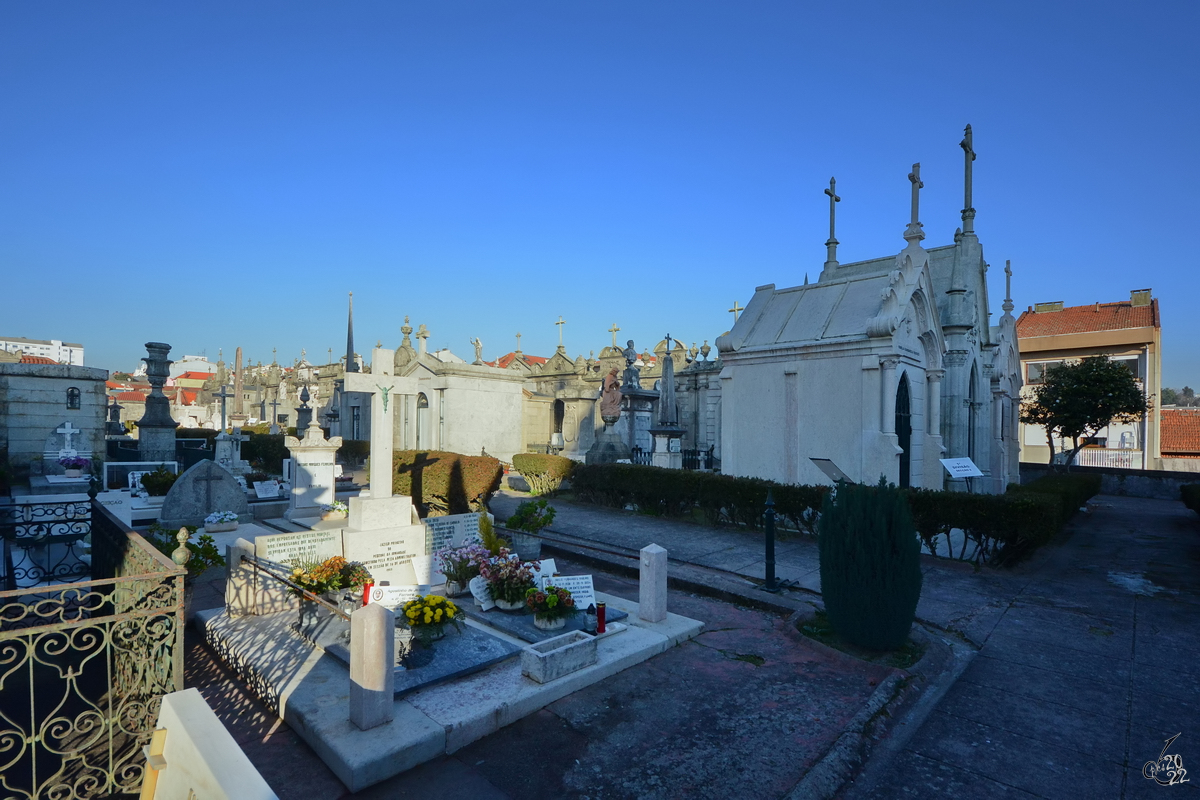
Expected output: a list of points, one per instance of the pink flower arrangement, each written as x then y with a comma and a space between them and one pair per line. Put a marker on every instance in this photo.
508, 577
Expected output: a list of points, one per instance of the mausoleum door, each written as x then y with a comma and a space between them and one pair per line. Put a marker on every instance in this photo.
904, 429
423, 429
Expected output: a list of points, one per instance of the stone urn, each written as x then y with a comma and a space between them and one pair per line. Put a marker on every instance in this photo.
542, 624
504, 605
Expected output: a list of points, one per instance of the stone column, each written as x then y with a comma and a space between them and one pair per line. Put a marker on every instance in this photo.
372, 666
652, 588
887, 380
156, 428
934, 377
240, 599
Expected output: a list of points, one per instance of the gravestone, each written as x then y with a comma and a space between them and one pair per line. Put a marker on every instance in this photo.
453, 530
200, 491
312, 472
302, 546
64, 441
388, 553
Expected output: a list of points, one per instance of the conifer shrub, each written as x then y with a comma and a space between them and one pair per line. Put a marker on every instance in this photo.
544, 472
870, 565
442, 483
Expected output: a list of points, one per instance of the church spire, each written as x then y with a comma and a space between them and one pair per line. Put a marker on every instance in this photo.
913, 232
351, 364
831, 261
968, 212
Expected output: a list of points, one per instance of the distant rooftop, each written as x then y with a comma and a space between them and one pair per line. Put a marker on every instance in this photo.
1180, 431
1052, 319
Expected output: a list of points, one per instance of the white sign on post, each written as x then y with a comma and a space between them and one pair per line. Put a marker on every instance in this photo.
580, 587
961, 467
393, 596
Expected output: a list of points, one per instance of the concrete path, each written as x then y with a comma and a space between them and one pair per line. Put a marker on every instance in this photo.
1087, 662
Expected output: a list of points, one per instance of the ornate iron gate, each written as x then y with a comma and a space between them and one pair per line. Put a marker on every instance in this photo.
83, 668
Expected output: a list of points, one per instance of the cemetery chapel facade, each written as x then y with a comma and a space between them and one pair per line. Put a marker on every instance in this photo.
883, 367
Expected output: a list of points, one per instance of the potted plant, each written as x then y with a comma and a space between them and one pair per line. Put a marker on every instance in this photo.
330, 579
74, 465
220, 521
428, 615
551, 607
508, 579
156, 484
460, 565
531, 516
335, 510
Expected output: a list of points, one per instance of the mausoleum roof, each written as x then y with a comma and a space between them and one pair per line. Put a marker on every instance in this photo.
835, 309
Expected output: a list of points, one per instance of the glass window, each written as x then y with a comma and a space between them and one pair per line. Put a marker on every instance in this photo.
73, 398
1131, 364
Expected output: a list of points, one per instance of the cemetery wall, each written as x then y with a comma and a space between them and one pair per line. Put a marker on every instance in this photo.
33, 402
1153, 483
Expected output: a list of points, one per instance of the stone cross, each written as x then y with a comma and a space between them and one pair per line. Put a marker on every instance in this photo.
518, 341
208, 479
1007, 305
613, 330
380, 383
736, 310
968, 213
67, 430
223, 394
831, 245
913, 232
560, 323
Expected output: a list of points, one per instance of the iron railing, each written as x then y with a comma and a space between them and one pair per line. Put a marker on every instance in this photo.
83, 668
699, 459
44, 541
639, 456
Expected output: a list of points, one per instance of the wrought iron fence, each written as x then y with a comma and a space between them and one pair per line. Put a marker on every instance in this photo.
83, 668
639, 456
699, 459
43, 541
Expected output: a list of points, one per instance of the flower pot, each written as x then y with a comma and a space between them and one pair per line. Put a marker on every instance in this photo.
504, 605
529, 548
456, 589
333, 515
156, 501
429, 633
220, 527
74, 473
543, 624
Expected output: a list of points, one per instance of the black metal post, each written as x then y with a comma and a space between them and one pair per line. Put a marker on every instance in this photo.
769, 526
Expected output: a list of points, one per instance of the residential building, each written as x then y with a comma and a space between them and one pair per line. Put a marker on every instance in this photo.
1130, 333
57, 351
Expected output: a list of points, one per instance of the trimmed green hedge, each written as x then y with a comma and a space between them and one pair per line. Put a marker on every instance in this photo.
354, 451
195, 433
265, 451
544, 472
1190, 494
443, 483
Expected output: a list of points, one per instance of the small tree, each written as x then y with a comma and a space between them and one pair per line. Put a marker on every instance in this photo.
1078, 400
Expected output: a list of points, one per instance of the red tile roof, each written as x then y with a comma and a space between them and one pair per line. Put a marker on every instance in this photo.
194, 376
505, 360
1180, 431
37, 360
1085, 319
136, 397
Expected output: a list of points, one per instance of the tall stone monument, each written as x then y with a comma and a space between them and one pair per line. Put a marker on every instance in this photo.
637, 403
156, 428
312, 475
668, 436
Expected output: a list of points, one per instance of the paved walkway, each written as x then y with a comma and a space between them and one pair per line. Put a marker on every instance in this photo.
1087, 658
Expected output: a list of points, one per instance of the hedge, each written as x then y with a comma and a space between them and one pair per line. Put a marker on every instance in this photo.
443, 483
265, 450
544, 472
1190, 494
196, 433
353, 451
1003, 528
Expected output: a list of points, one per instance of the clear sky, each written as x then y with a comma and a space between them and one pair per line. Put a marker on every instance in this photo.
219, 174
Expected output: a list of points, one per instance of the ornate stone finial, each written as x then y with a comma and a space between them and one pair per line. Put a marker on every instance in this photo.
560, 323
968, 212
806, 279
692, 352
613, 330
705, 349
913, 232
405, 331
831, 245
736, 310
518, 350
1007, 305
182, 553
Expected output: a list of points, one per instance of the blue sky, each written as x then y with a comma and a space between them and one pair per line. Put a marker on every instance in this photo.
222, 174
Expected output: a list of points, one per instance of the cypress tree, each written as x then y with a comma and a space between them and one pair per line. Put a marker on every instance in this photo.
870, 565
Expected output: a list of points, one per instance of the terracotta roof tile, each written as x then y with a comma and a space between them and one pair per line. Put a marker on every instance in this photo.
1180, 430
37, 360
136, 397
505, 360
1085, 319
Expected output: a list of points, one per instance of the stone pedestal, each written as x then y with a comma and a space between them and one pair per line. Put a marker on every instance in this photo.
609, 447
372, 666
668, 448
652, 586
156, 428
637, 409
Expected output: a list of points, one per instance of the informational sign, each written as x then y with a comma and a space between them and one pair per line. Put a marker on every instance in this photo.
580, 587
393, 596
266, 490
831, 470
961, 467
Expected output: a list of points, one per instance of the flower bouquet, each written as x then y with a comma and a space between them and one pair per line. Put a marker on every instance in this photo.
74, 465
551, 607
331, 575
428, 616
460, 565
508, 579
335, 510
219, 521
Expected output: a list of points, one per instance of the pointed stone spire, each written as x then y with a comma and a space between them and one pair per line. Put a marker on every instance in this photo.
831, 261
913, 232
351, 363
668, 416
968, 212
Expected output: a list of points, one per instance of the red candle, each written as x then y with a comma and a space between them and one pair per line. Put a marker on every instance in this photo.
367, 587
600, 610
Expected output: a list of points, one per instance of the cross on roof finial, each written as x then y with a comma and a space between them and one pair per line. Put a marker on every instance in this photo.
831, 245
518, 341
736, 310
968, 212
914, 233
613, 330
560, 323
1007, 305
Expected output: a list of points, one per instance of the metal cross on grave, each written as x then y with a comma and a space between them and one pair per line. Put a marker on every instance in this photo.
68, 430
736, 310
383, 386
224, 395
